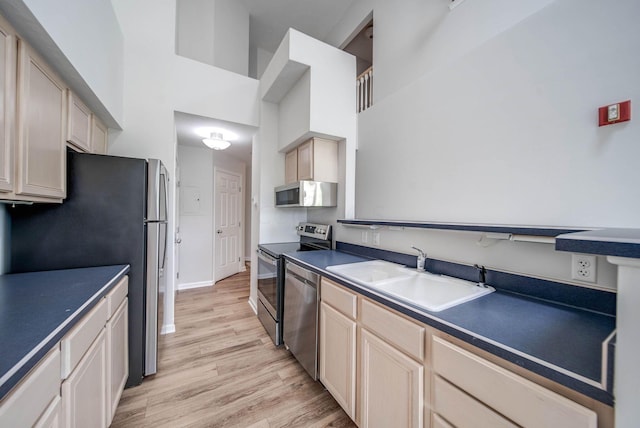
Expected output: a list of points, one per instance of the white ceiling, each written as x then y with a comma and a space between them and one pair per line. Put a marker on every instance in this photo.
187, 124
269, 21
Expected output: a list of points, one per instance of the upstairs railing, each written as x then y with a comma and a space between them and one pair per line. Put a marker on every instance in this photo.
364, 90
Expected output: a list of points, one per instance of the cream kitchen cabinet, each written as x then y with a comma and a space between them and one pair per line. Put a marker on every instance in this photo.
35, 401
78, 123
99, 136
8, 57
338, 344
315, 159
493, 396
117, 357
42, 129
95, 362
84, 392
408, 374
391, 367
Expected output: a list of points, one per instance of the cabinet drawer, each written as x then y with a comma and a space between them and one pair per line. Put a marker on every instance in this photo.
116, 296
449, 400
396, 330
24, 405
519, 399
336, 296
75, 343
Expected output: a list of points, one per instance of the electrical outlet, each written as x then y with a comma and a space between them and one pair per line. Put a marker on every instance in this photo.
583, 267
365, 237
376, 238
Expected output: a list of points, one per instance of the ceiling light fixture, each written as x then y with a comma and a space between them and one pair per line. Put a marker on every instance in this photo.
216, 142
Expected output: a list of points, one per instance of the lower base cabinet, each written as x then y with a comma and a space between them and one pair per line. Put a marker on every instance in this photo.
117, 357
84, 392
338, 357
392, 385
406, 374
52, 417
30, 403
78, 384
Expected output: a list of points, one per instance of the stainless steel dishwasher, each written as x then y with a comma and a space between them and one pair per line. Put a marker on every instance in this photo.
300, 318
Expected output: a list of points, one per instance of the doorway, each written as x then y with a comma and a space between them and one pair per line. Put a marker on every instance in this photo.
228, 223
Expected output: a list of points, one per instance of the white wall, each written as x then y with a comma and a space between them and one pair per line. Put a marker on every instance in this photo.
195, 35
494, 120
232, 36
215, 32
196, 217
488, 114
158, 82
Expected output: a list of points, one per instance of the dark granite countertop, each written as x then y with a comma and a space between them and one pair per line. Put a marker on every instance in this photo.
38, 308
559, 342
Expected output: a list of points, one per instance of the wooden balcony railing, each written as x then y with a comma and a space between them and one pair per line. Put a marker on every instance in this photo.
364, 90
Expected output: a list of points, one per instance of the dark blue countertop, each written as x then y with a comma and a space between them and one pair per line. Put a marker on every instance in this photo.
559, 342
608, 242
38, 308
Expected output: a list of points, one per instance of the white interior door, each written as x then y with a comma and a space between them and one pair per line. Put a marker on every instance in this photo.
227, 224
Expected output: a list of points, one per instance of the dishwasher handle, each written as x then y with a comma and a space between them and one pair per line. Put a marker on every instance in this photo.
303, 275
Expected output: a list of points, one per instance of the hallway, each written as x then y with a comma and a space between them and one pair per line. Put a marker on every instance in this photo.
220, 369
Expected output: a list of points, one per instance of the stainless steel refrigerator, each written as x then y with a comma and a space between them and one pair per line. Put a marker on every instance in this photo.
115, 213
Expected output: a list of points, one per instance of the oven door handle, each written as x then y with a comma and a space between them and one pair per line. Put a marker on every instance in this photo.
267, 258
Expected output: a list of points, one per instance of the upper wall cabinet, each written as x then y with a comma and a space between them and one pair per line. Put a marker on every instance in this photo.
315, 159
8, 57
38, 115
98, 136
42, 127
79, 124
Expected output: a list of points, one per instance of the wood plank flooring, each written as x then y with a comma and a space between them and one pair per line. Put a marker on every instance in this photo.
220, 369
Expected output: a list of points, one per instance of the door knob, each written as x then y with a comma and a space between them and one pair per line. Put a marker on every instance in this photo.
219, 231
178, 240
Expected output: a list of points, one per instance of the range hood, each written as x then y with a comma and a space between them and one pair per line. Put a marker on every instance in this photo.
307, 193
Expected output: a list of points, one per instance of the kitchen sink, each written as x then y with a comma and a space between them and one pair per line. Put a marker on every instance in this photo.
373, 272
420, 289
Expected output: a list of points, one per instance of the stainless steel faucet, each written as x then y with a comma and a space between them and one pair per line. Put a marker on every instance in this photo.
422, 256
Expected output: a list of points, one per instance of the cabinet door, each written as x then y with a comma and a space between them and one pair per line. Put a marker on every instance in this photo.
42, 125
99, 136
84, 393
117, 358
8, 57
52, 417
392, 392
305, 161
338, 357
291, 167
79, 123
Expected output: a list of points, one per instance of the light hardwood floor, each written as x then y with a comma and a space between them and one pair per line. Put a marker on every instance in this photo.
220, 369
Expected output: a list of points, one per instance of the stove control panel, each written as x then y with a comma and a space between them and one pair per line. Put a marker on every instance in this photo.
320, 231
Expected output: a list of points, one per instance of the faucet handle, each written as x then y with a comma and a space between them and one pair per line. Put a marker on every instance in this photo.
482, 273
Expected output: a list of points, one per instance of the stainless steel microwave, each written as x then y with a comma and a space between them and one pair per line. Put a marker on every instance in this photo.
307, 194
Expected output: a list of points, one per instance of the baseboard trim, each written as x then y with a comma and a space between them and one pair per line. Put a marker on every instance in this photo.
168, 329
190, 285
253, 306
